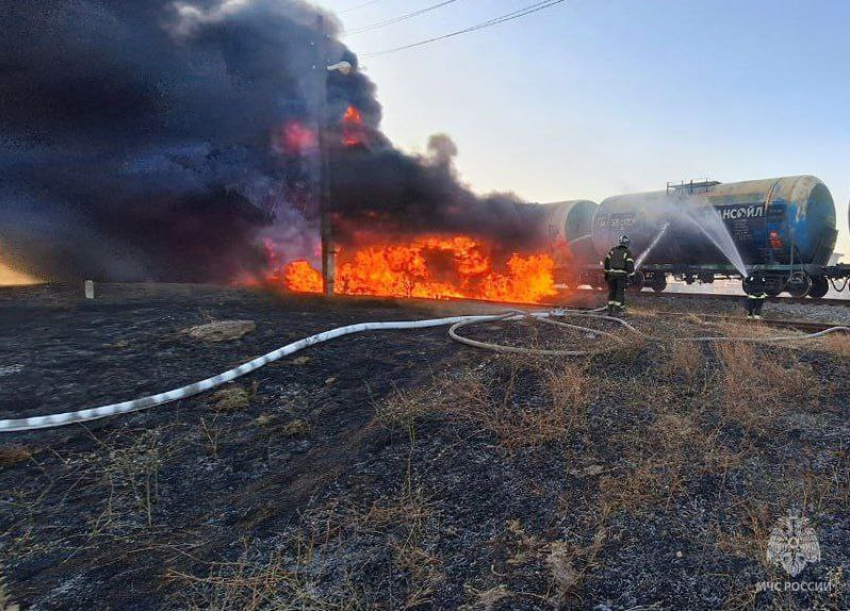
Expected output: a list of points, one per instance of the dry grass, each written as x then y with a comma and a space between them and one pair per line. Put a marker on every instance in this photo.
757, 388
507, 410
660, 458
497, 400
296, 428
247, 585
643, 484
685, 361
423, 569
569, 564
751, 533
130, 474
824, 492
230, 399
629, 349
404, 408
486, 600
14, 454
834, 343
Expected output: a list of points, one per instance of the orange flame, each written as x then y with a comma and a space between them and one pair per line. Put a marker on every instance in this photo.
296, 138
301, 278
431, 267
9, 276
352, 128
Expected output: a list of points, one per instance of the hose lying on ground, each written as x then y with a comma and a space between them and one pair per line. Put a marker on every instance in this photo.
86, 415
546, 317
456, 322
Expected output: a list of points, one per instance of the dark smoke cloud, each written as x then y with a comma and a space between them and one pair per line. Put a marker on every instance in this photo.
143, 140
406, 194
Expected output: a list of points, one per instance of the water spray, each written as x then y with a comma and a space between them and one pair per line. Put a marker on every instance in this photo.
713, 228
642, 257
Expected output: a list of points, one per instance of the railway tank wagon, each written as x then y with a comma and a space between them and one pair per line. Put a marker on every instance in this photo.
566, 228
785, 227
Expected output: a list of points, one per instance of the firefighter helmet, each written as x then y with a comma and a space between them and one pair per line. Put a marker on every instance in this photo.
625, 241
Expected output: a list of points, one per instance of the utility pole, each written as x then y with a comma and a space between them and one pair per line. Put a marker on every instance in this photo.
321, 70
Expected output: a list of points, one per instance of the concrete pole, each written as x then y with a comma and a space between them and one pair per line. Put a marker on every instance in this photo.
328, 267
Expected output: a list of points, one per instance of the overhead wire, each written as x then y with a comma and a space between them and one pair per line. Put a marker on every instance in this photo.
528, 10
394, 20
359, 6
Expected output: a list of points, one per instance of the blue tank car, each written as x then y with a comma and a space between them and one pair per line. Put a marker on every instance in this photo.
786, 227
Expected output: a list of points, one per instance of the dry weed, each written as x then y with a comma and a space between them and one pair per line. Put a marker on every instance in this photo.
404, 408
643, 484
834, 343
569, 564
550, 411
14, 454
131, 476
685, 361
749, 539
251, 586
756, 389
296, 428
522, 402
486, 600
230, 399
210, 434
423, 569
656, 460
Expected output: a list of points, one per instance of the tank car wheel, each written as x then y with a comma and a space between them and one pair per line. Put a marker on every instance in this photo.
820, 287
637, 282
658, 283
799, 285
774, 286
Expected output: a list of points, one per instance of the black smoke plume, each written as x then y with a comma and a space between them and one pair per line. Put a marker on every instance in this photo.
169, 140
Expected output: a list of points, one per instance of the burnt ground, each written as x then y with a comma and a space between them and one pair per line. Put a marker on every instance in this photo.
399, 470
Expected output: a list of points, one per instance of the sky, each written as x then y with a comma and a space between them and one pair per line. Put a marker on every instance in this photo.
593, 98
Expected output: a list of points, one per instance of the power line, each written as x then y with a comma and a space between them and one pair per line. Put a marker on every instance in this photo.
359, 6
386, 22
528, 10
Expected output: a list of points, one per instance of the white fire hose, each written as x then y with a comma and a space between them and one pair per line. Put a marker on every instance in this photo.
456, 322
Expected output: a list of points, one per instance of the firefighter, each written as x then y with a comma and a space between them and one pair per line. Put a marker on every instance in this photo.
754, 286
619, 265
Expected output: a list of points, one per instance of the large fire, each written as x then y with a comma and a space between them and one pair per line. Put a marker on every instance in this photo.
296, 139
353, 133
430, 267
10, 276
299, 276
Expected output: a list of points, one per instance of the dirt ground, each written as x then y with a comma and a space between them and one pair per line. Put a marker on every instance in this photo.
401, 470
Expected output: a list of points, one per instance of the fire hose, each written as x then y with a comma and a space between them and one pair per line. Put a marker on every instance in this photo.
86, 415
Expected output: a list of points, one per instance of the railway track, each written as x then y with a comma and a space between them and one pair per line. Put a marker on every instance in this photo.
721, 297
809, 326
577, 295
